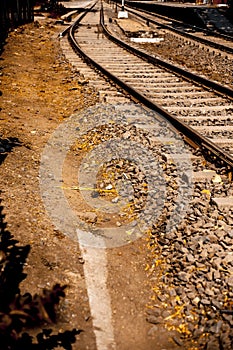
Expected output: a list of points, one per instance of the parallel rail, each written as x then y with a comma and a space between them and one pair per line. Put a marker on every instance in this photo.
190, 36
193, 137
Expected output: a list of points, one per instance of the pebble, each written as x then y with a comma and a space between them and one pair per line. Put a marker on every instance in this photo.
230, 281
199, 257
177, 340
156, 312
154, 319
196, 252
90, 217
196, 301
109, 187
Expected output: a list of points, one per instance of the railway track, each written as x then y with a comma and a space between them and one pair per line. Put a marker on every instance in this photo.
192, 283
204, 115
194, 278
191, 34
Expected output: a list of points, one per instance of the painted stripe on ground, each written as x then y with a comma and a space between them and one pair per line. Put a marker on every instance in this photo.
95, 271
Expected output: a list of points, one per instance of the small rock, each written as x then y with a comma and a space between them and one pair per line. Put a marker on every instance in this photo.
154, 319
156, 312
212, 345
80, 259
216, 304
162, 298
183, 276
88, 216
230, 281
95, 194
209, 275
190, 258
217, 275
218, 326
177, 340
228, 318
196, 301
165, 313
80, 82
115, 200
172, 292
209, 292
205, 301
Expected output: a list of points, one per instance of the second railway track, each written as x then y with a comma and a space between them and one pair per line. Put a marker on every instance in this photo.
210, 39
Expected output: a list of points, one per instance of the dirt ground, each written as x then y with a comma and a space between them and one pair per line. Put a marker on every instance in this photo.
39, 90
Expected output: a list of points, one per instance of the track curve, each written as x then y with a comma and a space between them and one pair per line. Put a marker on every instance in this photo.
153, 87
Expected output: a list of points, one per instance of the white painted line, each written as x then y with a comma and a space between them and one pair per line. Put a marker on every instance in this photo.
95, 271
146, 40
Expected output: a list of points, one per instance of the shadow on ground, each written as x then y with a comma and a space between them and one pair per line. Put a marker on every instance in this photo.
6, 146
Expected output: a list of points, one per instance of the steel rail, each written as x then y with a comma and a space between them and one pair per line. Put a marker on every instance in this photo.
207, 42
193, 137
176, 21
223, 90
79, 17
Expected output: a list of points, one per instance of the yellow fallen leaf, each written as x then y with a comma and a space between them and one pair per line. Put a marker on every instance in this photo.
206, 192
